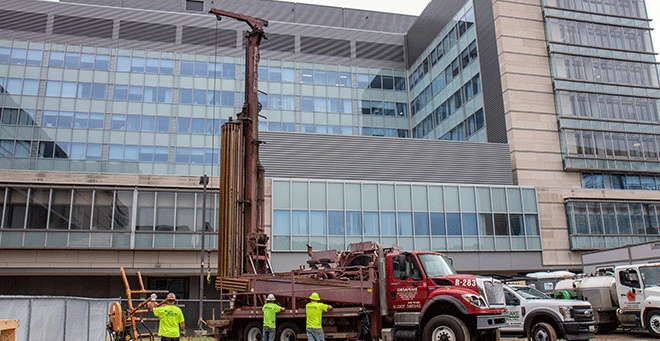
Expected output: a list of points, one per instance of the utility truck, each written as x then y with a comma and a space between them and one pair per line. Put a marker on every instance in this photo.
537, 316
627, 297
385, 292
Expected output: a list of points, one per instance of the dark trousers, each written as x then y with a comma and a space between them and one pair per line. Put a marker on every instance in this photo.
169, 339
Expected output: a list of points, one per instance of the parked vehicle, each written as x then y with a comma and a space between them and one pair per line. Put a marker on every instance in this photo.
627, 297
407, 296
537, 316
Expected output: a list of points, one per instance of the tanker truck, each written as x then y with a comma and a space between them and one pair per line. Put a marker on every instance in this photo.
627, 297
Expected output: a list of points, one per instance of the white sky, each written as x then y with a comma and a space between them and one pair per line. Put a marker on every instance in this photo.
415, 7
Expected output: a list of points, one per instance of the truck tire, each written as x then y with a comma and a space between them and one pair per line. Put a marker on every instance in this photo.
252, 331
543, 332
653, 322
287, 331
446, 328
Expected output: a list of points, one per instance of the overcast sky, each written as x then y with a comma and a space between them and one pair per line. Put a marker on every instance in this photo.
415, 7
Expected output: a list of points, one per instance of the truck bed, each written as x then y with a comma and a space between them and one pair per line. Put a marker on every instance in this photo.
298, 286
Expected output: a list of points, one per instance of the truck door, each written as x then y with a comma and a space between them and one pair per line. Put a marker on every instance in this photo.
629, 289
407, 290
514, 318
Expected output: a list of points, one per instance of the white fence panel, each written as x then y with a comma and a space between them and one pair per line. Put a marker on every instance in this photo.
98, 317
16, 309
44, 318
47, 317
77, 320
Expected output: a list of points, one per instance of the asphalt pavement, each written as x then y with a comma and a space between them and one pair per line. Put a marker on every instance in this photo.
616, 335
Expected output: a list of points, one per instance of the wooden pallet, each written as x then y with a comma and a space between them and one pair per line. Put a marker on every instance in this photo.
8, 330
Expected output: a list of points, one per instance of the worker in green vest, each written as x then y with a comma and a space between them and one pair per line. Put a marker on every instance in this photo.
172, 323
270, 309
314, 310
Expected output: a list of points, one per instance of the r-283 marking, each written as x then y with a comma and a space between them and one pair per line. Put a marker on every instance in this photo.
466, 282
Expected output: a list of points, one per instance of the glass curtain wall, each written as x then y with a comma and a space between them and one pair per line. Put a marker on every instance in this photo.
331, 215
105, 218
605, 224
142, 101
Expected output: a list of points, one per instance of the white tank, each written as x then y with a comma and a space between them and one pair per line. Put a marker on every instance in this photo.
600, 291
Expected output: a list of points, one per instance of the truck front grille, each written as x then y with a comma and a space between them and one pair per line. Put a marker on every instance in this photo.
583, 313
493, 292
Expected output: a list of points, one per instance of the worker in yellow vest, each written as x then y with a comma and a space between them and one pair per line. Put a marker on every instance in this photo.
172, 323
314, 311
270, 309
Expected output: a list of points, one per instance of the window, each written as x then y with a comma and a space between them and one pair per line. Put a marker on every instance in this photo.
193, 5
4, 54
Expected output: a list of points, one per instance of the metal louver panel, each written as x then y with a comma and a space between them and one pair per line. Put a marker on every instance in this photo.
208, 36
379, 51
491, 81
377, 21
325, 46
147, 31
23, 21
319, 15
349, 157
79, 26
279, 42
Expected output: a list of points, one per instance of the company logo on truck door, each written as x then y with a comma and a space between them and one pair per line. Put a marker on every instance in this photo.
407, 294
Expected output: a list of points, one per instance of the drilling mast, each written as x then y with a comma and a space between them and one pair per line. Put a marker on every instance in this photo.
241, 237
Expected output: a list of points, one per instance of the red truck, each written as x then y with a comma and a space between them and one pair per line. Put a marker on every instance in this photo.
405, 296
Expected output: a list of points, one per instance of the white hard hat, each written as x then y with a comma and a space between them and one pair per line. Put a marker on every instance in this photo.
270, 297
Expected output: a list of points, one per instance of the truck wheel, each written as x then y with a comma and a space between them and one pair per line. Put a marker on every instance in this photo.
653, 322
252, 331
287, 332
543, 332
446, 328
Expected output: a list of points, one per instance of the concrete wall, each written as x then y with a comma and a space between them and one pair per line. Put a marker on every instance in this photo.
531, 121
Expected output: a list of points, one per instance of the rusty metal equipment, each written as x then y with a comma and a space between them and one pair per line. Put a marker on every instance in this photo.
123, 324
242, 240
348, 279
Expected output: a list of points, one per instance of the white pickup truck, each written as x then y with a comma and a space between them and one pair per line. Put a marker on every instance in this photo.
537, 316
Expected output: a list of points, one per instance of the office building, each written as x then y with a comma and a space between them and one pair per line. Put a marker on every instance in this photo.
512, 135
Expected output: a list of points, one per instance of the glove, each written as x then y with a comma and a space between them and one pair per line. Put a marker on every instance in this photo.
153, 297
183, 333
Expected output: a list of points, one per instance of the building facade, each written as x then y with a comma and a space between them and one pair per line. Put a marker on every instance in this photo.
512, 150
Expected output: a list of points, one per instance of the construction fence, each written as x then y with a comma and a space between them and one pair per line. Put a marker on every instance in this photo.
48, 318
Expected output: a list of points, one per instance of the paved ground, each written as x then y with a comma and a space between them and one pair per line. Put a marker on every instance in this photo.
617, 335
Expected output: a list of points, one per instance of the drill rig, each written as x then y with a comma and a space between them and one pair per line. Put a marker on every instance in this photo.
242, 241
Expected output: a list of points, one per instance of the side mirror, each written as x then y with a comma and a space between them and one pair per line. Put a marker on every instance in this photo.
403, 269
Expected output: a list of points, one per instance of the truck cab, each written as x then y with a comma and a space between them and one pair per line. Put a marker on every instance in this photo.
638, 290
421, 284
535, 315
